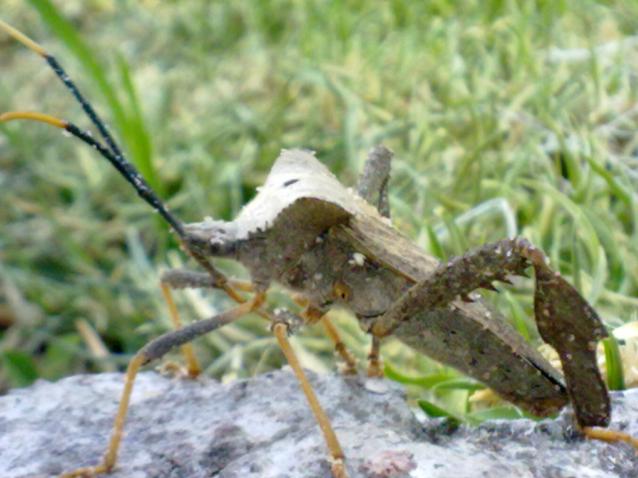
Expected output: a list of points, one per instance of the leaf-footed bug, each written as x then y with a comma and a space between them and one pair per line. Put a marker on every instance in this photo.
329, 246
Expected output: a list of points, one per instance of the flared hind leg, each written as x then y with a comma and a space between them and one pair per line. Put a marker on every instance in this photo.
373, 187
565, 320
373, 181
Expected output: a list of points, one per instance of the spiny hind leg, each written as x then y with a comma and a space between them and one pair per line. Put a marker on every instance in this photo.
565, 320
154, 350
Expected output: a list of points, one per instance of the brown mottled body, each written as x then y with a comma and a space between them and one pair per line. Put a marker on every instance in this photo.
468, 336
330, 246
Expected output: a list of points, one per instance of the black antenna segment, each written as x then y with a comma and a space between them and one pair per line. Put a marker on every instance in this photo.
110, 152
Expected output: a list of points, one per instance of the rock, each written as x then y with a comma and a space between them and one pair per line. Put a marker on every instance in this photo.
263, 428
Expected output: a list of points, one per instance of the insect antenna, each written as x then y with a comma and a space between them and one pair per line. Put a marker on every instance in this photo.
126, 169
111, 151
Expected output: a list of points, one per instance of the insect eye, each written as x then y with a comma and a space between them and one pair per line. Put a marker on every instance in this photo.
341, 290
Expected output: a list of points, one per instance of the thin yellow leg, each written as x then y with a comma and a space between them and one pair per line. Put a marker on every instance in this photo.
350, 362
232, 293
375, 369
110, 456
192, 364
336, 453
610, 436
152, 351
242, 285
312, 316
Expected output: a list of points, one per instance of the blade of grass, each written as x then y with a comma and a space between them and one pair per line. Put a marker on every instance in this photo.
426, 381
613, 361
495, 413
436, 411
136, 133
20, 367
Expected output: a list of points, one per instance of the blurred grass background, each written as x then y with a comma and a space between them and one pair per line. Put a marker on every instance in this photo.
505, 117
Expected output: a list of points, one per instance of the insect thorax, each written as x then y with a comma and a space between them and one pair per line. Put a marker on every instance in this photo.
333, 272
319, 264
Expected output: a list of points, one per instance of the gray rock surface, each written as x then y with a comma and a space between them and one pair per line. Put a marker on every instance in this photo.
263, 428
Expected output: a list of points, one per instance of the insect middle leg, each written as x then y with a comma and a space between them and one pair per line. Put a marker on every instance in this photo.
182, 279
280, 329
350, 363
375, 367
311, 315
193, 367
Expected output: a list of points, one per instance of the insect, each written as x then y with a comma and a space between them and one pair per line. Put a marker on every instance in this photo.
330, 246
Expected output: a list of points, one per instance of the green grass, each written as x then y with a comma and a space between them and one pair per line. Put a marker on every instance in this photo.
505, 117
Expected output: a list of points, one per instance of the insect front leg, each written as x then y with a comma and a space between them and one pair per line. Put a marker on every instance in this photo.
154, 350
185, 279
193, 368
